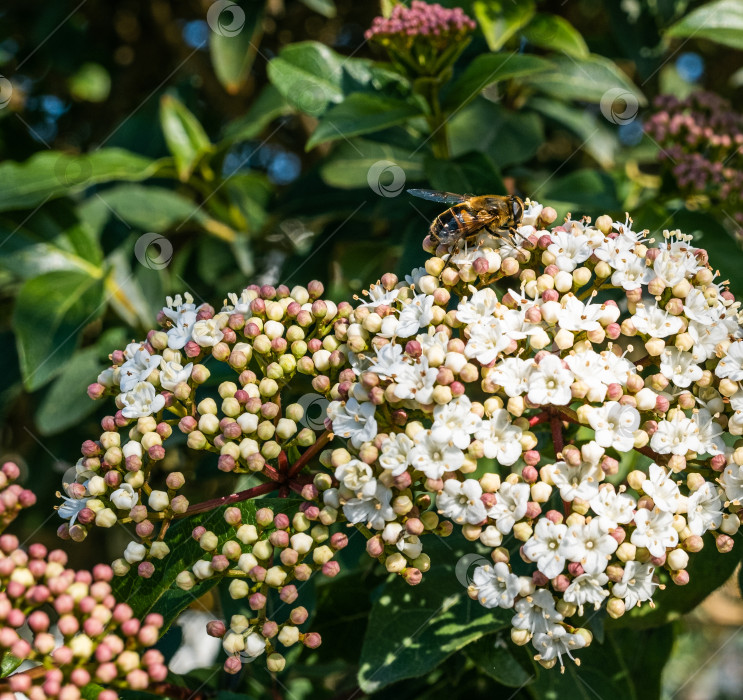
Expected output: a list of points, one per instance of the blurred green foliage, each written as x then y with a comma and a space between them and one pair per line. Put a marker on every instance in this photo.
150, 148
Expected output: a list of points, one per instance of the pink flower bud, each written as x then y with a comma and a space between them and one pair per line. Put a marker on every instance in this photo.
312, 640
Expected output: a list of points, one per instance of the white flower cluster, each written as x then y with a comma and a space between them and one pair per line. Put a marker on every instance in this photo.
515, 383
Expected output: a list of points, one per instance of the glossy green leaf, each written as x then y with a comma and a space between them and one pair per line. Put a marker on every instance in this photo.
234, 46
67, 402
471, 173
591, 79
581, 192
91, 82
412, 630
51, 312
151, 208
556, 34
309, 75
185, 136
720, 21
361, 113
487, 69
269, 105
8, 664
500, 659
51, 174
364, 163
326, 8
499, 20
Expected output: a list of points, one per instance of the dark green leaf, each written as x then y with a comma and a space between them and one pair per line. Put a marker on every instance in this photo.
412, 630
589, 80
487, 69
8, 664
364, 163
471, 173
324, 7
151, 208
361, 113
556, 34
50, 174
269, 105
499, 20
67, 402
721, 22
50, 314
185, 136
233, 50
581, 192
501, 660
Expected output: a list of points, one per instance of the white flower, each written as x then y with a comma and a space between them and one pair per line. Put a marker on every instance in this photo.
536, 613
410, 545
543, 547
137, 369
556, 642
654, 531
577, 316
613, 508
697, 308
255, 645
676, 436
680, 367
590, 545
496, 586
173, 373
142, 401
378, 295
631, 271
569, 250
479, 307
371, 506
655, 322
415, 315
124, 497
589, 367
708, 433
395, 451
354, 474
460, 501
510, 505
614, 425
731, 480
182, 316
549, 383
636, 585
487, 341
512, 373
417, 382
706, 337
389, 361
675, 262
704, 509
415, 275
581, 481
662, 489
207, 332
434, 458
240, 304
530, 215
71, 508
587, 589
500, 438
731, 363
353, 420
454, 422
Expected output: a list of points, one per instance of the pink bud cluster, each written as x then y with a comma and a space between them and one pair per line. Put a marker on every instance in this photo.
70, 622
422, 18
266, 559
13, 497
701, 138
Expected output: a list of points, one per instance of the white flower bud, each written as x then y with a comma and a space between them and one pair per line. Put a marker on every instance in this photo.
239, 589
81, 646
248, 422
185, 580
106, 518
247, 562
275, 577
135, 552
132, 449
491, 537
263, 550
124, 497
677, 559
301, 542
729, 524
159, 550
202, 569
159, 500
289, 635
646, 399
233, 643
391, 533
96, 486
286, 428
541, 492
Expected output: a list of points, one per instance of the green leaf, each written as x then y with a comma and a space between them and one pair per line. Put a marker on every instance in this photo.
721, 22
581, 192
185, 136
589, 80
324, 7
556, 34
499, 20
309, 75
626, 666
159, 593
360, 162
51, 312
67, 402
151, 208
501, 660
233, 52
51, 174
269, 105
361, 113
487, 69
8, 664
471, 173
91, 82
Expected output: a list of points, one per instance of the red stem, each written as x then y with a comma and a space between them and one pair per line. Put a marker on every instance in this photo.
228, 500
323, 440
543, 417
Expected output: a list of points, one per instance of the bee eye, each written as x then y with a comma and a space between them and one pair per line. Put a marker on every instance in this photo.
517, 209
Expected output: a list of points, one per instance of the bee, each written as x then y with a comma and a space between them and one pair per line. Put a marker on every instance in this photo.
470, 214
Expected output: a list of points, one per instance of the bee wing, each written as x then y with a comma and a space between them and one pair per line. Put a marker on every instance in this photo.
436, 196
